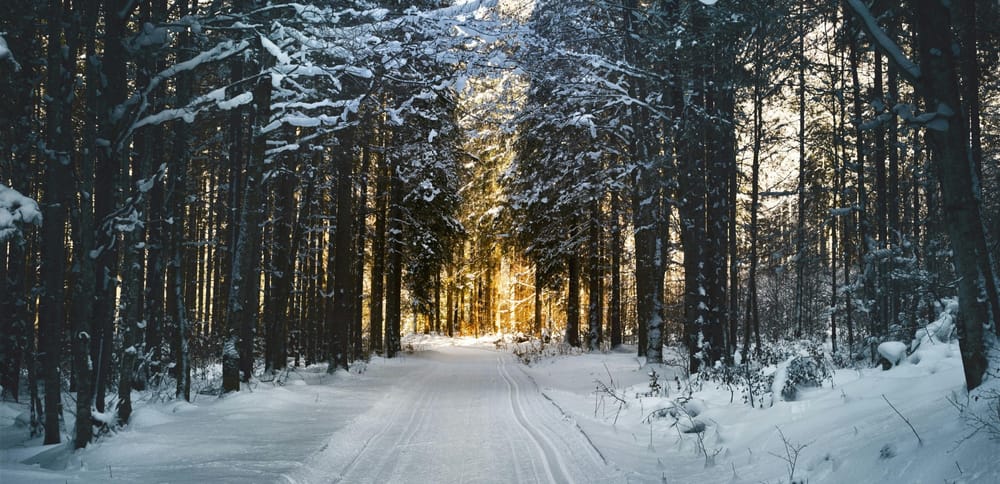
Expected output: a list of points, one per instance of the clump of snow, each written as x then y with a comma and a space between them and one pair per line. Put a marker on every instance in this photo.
940, 330
16, 210
239, 100
275, 51
4, 50
5, 53
931, 344
892, 351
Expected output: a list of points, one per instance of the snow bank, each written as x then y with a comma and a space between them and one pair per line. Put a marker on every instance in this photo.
846, 431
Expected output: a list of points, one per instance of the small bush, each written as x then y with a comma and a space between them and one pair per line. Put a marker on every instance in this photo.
808, 370
807, 366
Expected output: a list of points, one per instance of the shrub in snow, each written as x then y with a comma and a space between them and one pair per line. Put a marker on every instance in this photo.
808, 369
530, 349
779, 369
655, 389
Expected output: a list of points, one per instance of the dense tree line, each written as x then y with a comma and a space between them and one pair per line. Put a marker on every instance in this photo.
209, 175
703, 115
256, 184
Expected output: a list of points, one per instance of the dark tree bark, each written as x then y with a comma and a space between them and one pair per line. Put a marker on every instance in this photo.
55, 202
19, 142
753, 313
595, 292
615, 302
176, 192
694, 241
957, 175
537, 323
84, 244
800, 226
154, 11
937, 82
361, 237
863, 227
573, 301
378, 272
646, 201
394, 268
722, 160
230, 302
243, 300
342, 315
106, 195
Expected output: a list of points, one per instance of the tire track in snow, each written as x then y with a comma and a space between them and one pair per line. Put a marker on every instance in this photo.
546, 449
376, 444
390, 462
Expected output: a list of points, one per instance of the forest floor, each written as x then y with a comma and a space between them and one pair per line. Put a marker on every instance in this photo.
462, 411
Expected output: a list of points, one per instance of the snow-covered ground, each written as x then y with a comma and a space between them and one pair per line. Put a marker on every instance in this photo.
463, 411
849, 432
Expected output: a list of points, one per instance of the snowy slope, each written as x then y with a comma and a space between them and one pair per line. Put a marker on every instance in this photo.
850, 433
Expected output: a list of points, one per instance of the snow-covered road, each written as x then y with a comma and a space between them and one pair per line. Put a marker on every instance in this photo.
444, 414
459, 415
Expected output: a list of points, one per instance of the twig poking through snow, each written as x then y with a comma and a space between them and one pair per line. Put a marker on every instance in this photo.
791, 456
920, 441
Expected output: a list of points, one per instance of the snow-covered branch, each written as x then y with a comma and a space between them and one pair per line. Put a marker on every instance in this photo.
907, 67
16, 210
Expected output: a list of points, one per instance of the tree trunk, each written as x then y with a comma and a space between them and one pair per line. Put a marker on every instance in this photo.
287, 232
956, 172
758, 133
537, 326
615, 311
361, 236
394, 268
56, 201
243, 300
800, 229
176, 193
595, 306
343, 283
106, 199
378, 272
573, 302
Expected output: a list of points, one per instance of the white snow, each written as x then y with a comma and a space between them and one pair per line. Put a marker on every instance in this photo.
893, 351
4, 50
6, 54
274, 50
15, 211
239, 100
462, 410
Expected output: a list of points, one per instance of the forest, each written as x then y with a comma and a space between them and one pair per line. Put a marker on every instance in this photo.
270, 184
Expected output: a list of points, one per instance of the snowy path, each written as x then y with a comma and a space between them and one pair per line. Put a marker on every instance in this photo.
449, 414
460, 415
